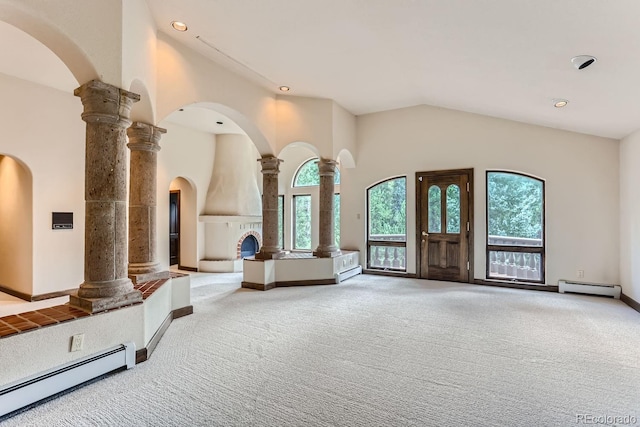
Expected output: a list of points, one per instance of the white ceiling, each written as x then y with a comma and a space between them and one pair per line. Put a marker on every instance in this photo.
204, 119
502, 58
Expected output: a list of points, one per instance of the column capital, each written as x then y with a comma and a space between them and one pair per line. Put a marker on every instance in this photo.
144, 137
270, 165
105, 103
327, 167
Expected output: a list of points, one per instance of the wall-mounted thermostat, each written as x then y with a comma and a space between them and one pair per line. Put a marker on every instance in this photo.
62, 220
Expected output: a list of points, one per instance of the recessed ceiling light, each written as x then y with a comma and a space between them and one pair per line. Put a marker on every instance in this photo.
559, 103
179, 26
220, 123
583, 61
180, 109
285, 88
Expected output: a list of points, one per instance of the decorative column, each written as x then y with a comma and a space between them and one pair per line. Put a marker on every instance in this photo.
106, 112
327, 247
270, 170
144, 144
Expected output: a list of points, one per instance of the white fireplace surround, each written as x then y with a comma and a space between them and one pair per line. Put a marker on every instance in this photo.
223, 236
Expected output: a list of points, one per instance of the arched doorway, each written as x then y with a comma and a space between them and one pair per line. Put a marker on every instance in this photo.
183, 225
16, 227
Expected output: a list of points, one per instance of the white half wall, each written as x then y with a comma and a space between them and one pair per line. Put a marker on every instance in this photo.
580, 172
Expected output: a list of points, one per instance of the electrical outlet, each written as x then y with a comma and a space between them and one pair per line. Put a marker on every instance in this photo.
77, 342
580, 274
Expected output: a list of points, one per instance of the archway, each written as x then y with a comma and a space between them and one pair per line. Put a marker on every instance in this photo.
183, 224
16, 227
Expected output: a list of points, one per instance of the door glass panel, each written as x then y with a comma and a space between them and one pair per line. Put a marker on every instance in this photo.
453, 209
435, 209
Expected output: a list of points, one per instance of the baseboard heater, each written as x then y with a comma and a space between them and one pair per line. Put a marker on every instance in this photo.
28, 391
341, 277
589, 288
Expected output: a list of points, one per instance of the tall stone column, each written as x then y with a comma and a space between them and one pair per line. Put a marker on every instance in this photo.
106, 112
144, 143
270, 169
326, 236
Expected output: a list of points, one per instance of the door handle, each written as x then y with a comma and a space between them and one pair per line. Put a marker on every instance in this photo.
424, 233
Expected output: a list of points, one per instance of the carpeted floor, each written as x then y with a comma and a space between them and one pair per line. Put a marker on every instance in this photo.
373, 351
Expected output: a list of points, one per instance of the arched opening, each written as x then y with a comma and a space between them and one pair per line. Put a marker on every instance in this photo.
39, 71
249, 247
16, 227
221, 159
183, 225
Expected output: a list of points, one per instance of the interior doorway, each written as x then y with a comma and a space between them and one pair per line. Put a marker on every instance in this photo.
444, 225
174, 227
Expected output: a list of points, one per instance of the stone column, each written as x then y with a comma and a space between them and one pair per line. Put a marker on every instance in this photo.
270, 170
327, 247
144, 144
106, 285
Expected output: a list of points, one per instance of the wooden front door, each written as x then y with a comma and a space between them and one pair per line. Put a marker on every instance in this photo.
174, 227
444, 224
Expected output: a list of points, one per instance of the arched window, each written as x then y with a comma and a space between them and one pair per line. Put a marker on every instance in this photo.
515, 227
302, 200
307, 174
387, 225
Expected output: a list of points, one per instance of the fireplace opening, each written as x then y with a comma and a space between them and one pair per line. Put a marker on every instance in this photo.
249, 247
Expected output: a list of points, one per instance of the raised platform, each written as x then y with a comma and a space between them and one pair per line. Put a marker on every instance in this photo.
299, 269
51, 328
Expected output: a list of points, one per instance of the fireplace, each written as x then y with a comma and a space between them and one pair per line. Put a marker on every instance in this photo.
233, 210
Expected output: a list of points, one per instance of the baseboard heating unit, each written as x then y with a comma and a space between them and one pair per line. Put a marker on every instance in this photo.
28, 391
589, 288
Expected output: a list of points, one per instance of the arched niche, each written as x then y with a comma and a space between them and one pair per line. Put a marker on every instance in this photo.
16, 226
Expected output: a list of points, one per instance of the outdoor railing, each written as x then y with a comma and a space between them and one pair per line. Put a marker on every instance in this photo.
517, 264
388, 251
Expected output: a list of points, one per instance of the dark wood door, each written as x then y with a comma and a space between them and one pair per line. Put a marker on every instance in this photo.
444, 224
174, 227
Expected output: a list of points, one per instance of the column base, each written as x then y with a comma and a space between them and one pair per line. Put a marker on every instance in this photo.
328, 252
276, 254
95, 305
147, 277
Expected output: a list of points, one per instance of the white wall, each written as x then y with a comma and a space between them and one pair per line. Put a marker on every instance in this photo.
16, 226
189, 154
42, 127
581, 174
629, 218
186, 77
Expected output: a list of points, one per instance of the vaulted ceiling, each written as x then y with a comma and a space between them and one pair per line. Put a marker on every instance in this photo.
501, 58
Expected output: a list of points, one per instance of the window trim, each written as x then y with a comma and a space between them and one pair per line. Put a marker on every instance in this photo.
396, 244
281, 218
294, 220
303, 164
515, 248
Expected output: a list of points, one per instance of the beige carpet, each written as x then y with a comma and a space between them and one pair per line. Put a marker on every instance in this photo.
373, 351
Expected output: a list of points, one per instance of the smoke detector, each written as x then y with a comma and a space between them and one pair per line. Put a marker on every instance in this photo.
582, 61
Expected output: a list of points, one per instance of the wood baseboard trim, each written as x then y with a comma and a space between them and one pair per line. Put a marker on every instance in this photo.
17, 294
144, 354
306, 283
53, 295
39, 297
258, 286
390, 273
181, 312
184, 268
630, 302
511, 285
